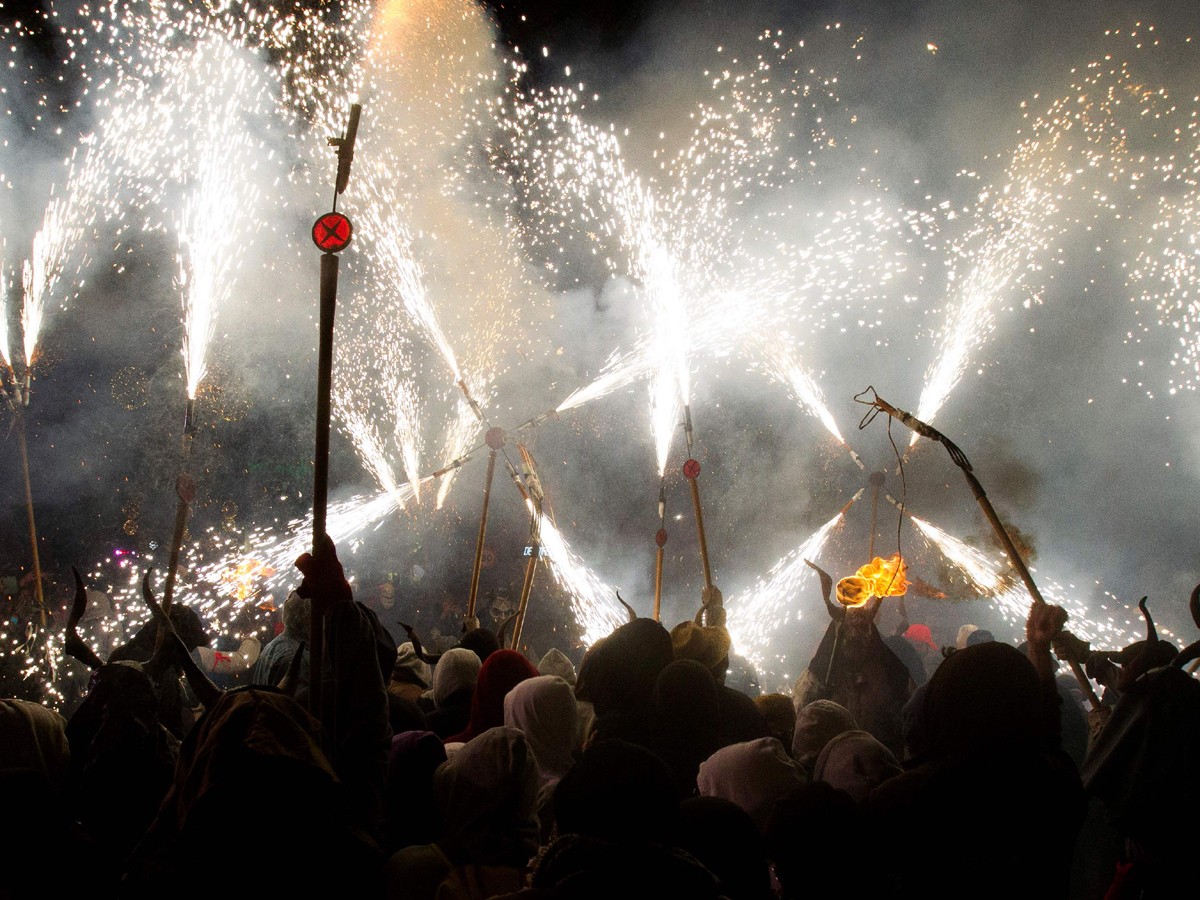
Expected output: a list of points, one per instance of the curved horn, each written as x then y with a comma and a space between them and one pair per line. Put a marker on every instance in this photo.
291, 679
504, 626
206, 692
837, 613
427, 658
629, 609
1151, 631
73, 644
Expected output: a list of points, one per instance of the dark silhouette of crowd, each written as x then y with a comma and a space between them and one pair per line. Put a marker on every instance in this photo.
479, 773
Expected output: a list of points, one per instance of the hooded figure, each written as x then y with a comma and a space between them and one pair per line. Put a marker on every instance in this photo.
709, 645
816, 725
454, 680
753, 775
686, 727
411, 676
486, 796
722, 837
991, 728
254, 743
409, 813
502, 671
617, 677
276, 657
543, 709
780, 715
555, 662
34, 758
856, 763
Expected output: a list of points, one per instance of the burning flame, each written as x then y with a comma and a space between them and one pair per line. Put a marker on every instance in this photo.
242, 579
878, 578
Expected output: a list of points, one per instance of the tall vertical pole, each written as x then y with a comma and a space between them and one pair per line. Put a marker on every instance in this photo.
470, 621
661, 540
316, 627
877, 479
692, 482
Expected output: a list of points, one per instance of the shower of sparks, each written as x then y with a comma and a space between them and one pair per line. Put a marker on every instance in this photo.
221, 92
4, 350
1108, 147
593, 602
757, 614
1008, 595
775, 356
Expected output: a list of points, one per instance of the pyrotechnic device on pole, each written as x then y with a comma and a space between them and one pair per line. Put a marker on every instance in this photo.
712, 608
331, 233
878, 405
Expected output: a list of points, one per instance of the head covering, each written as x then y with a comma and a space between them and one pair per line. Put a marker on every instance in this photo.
409, 814
405, 715
982, 695
753, 775
963, 634
816, 725
619, 673
409, 668
457, 670
33, 739
486, 795
482, 641
780, 714
921, 634
856, 763
620, 793
555, 662
503, 671
722, 837
706, 644
915, 725
685, 728
980, 636
543, 709
814, 838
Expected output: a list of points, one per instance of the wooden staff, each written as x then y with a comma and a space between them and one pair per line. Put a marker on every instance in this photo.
530, 569
691, 471
331, 239
33, 541
959, 459
661, 540
483, 517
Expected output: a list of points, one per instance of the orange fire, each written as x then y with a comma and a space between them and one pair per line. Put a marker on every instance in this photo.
242, 578
878, 578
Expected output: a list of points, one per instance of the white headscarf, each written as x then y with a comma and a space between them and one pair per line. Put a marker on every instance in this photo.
555, 662
457, 670
543, 708
753, 775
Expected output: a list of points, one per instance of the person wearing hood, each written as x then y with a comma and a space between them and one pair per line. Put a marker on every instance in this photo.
816, 725
409, 812
617, 677
485, 796
780, 715
411, 676
555, 662
709, 645
856, 763
686, 727
276, 657
502, 671
991, 733
753, 775
454, 679
543, 709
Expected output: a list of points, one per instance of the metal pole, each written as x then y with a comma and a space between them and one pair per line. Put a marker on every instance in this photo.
316, 628
483, 517
185, 490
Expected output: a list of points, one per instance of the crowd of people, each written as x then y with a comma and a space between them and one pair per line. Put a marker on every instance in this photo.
478, 773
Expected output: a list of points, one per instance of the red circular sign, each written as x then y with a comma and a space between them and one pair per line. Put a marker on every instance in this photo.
691, 469
661, 537
332, 232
